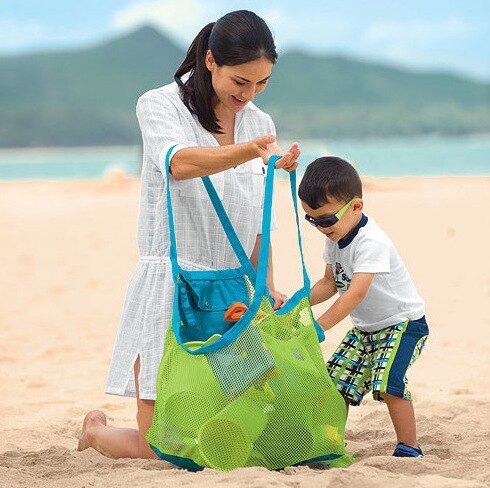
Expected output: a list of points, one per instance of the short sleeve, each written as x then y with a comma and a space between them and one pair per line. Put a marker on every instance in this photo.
327, 257
161, 126
371, 256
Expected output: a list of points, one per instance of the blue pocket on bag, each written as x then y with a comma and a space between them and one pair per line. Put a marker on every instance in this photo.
203, 302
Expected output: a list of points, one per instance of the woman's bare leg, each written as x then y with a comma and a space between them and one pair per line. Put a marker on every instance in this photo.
117, 442
144, 418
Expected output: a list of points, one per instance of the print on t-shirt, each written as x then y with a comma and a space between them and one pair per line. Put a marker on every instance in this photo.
342, 281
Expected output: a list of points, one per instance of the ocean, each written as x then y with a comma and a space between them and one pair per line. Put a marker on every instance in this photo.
420, 156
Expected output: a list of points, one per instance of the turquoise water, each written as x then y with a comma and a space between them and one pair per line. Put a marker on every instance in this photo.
427, 156
424, 156
67, 163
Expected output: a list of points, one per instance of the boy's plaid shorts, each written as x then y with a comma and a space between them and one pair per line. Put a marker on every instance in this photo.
377, 361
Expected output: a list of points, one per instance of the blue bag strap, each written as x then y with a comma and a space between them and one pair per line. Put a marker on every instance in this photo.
261, 276
260, 282
266, 226
294, 195
222, 216
171, 225
228, 226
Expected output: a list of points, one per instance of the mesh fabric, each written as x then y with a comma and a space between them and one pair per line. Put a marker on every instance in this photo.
264, 400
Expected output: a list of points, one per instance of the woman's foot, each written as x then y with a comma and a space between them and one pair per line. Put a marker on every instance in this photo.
92, 421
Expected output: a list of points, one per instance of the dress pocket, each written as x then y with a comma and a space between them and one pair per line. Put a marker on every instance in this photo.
252, 176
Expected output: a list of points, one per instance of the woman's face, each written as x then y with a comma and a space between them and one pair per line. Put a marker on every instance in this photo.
237, 85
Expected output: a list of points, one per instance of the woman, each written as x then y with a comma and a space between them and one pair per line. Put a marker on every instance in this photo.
207, 113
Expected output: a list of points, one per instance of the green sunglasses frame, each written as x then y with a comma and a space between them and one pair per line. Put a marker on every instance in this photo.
329, 221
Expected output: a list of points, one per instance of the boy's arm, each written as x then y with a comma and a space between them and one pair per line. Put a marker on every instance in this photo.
324, 288
348, 301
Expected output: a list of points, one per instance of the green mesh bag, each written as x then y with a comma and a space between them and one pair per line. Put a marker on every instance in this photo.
255, 392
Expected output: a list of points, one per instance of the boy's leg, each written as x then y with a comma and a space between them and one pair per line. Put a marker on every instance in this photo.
403, 418
117, 442
396, 349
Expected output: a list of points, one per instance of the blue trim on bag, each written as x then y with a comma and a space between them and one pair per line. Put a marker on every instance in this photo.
181, 462
222, 215
227, 338
260, 281
235, 243
215, 274
260, 277
327, 457
292, 182
263, 261
190, 465
292, 302
319, 331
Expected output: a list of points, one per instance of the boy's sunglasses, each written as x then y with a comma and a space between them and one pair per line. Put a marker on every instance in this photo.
331, 220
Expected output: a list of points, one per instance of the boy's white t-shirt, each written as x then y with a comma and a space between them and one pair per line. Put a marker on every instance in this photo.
392, 297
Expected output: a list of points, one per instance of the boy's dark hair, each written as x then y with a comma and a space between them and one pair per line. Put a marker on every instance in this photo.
236, 38
328, 177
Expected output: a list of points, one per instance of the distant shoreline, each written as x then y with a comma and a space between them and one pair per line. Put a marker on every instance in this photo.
284, 141
422, 156
120, 180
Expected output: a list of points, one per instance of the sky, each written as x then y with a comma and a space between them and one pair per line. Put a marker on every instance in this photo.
441, 35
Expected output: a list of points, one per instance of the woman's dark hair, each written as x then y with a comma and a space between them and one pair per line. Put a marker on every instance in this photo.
236, 38
329, 177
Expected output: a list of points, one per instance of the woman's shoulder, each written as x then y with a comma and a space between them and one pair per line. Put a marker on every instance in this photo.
163, 95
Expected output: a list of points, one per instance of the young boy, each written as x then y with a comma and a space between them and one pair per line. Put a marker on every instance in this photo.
376, 290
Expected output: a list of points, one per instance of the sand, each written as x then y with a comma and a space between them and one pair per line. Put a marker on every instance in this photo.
67, 251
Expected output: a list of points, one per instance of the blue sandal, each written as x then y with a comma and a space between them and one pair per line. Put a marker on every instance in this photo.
403, 450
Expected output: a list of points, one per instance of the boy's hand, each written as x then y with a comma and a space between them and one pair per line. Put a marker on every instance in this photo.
279, 299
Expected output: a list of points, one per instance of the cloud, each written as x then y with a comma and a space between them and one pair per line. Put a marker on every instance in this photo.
297, 29
181, 19
415, 31
17, 35
418, 42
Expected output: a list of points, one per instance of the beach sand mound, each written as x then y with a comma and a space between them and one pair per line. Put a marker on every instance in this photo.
66, 254
455, 440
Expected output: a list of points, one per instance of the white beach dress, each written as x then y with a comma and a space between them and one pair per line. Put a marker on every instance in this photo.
164, 121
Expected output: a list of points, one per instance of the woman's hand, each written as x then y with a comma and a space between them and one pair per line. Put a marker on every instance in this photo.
288, 162
279, 299
266, 147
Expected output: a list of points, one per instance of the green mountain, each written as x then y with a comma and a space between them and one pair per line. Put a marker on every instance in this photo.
335, 96
88, 96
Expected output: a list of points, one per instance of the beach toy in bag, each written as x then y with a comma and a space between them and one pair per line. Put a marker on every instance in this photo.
240, 384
